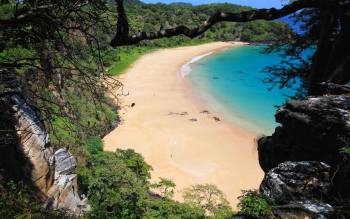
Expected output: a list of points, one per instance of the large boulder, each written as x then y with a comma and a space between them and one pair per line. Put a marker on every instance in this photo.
304, 209
311, 129
299, 189
297, 181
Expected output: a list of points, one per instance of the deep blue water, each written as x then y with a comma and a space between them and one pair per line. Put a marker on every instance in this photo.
231, 82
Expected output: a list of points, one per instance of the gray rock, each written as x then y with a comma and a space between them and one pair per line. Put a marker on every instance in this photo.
312, 129
63, 193
65, 163
304, 209
297, 181
53, 174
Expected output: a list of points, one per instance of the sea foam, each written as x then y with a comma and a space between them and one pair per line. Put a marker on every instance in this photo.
186, 68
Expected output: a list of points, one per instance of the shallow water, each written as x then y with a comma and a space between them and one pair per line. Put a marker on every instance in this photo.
231, 83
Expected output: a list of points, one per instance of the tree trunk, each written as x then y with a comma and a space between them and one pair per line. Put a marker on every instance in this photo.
322, 53
339, 62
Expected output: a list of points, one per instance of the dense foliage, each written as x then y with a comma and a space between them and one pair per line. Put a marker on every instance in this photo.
254, 204
18, 200
117, 186
154, 17
209, 198
322, 36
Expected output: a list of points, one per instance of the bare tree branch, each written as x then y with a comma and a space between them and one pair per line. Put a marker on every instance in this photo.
122, 36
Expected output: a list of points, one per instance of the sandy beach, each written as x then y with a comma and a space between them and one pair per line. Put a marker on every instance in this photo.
175, 133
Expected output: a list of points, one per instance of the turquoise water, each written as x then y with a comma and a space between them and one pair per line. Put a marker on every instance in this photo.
231, 83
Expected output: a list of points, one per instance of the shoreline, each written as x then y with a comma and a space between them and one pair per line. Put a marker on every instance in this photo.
176, 134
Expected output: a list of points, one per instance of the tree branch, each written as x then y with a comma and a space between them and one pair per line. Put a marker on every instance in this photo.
122, 36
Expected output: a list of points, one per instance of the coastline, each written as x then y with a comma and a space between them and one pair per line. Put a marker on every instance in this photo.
173, 131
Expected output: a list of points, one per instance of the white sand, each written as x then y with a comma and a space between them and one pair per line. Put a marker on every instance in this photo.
188, 152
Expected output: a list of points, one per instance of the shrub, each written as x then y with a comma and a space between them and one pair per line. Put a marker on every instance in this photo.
209, 198
114, 186
166, 208
165, 187
254, 204
345, 151
17, 200
94, 144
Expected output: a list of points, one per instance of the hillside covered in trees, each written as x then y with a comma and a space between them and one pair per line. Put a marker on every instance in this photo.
155, 17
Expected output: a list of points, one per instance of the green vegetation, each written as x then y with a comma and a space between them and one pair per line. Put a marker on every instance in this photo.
209, 198
153, 17
117, 186
18, 200
254, 204
125, 57
165, 187
345, 151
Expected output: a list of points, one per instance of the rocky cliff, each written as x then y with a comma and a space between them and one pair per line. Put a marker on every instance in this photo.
26, 153
305, 173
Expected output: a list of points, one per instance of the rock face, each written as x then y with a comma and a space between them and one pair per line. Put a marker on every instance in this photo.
33, 141
297, 181
303, 165
313, 129
305, 209
63, 193
299, 189
26, 153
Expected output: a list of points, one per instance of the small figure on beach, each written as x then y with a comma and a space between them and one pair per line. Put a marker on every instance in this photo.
193, 120
132, 104
205, 111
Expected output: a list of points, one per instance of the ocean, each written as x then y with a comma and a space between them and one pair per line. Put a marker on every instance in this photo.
231, 84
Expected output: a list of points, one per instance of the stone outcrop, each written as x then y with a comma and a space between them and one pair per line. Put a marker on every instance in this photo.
298, 189
312, 129
304, 169
33, 140
304, 209
63, 192
26, 153
297, 181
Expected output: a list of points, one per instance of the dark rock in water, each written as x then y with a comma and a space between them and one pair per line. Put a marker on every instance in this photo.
304, 209
297, 181
215, 78
311, 129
